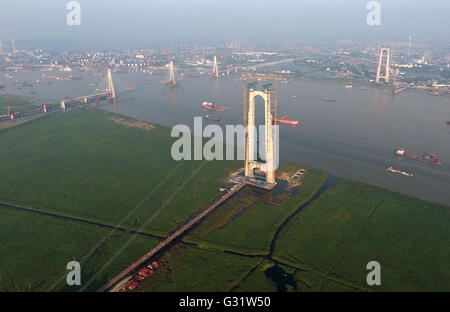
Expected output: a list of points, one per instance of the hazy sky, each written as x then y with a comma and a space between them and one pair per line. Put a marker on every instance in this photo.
122, 23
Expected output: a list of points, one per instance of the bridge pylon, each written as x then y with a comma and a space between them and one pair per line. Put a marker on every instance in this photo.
387, 74
110, 85
172, 80
215, 68
269, 97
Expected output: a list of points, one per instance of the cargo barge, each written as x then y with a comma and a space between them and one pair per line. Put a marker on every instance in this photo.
398, 171
428, 158
286, 121
212, 107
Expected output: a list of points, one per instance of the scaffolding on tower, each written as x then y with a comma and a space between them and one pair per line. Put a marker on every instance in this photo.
271, 100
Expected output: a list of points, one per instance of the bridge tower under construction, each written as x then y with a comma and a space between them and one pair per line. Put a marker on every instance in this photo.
172, 81
215, 68
387, 74
270, 108
110, 85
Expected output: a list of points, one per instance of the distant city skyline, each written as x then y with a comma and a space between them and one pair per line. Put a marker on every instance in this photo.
141, 23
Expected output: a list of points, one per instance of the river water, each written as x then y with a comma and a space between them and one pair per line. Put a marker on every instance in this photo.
354, 137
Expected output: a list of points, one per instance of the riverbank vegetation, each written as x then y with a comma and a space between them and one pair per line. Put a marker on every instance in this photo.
354, 223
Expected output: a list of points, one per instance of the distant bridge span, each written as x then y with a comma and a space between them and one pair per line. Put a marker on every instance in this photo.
109, 93
268, 64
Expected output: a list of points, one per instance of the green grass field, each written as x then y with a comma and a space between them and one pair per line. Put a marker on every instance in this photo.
354, 223
257, 280
83, 164
35, 250
194, 269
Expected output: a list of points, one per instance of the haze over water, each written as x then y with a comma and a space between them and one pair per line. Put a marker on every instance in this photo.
354, 137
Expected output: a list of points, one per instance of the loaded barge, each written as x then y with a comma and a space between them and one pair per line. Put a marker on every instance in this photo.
210, 106
286, 121
428, 158
398, 171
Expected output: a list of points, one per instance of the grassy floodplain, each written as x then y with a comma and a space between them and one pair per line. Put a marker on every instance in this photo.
234, 241
199, 269
354, 223
91, 166
84, 163
326, 245
89, 170
35, 250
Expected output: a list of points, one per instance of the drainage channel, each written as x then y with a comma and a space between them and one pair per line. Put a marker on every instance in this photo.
276, 273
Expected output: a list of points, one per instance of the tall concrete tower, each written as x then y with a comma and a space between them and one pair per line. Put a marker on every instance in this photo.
171, 74
1, 47
409, 47
250, 162
387, 73
215, 68
13, 46
110, 85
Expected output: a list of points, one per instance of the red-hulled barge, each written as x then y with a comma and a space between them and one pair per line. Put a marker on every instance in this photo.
428, 158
